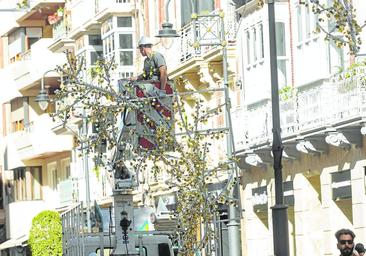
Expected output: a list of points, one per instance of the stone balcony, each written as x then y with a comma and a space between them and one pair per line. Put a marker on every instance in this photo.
26, 72
326, 112
37, 140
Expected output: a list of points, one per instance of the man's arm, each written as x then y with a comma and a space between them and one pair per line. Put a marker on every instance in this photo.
163, 77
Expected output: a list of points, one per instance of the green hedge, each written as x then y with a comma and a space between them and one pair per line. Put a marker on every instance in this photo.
45, 237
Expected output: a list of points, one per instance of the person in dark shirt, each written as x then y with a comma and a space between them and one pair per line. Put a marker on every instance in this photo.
154, 65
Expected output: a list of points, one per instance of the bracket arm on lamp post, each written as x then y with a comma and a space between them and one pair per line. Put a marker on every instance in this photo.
42, 98
167, 30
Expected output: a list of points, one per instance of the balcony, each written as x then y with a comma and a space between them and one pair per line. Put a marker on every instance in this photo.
208, 32
105, 8
40, 9
30, 66
37, 140
62, 42
323, 107
34, 15
21, 214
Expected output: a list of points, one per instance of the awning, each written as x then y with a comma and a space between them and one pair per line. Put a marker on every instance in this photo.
14, 242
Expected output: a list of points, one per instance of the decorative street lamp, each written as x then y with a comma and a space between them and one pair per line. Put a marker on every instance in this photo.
167, 31
43, 100
279, 210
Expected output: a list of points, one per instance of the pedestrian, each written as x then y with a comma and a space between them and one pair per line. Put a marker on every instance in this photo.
154, 64
360, 249
345, 242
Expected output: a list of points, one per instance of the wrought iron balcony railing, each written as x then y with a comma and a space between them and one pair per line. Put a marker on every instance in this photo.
327, 103
187, 38
60, 29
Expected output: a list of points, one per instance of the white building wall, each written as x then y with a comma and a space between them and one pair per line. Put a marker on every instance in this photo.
81, 12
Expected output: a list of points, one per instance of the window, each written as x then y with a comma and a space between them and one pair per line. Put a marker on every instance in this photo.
16, 43
126, 50
281, 54
19, 184
261, 42
107, 26
247, 36
18, 125
95, 56
95, 40
205, 6
118, 42
280, 39
52, 176
299, 24
254, 46
124, 22
65, 169
32, 35
28, 183
108, 46
201, 6
36, 183
125, 41
336, 58
307, 22
341, 185
126, 58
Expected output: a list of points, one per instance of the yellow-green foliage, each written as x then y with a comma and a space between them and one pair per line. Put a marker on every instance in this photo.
45, 237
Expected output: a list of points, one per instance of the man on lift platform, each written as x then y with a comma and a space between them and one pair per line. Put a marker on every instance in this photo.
154, 65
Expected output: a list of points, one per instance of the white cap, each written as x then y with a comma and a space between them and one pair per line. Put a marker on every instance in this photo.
144, 40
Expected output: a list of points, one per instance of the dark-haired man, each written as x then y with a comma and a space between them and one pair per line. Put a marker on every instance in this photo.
345, 242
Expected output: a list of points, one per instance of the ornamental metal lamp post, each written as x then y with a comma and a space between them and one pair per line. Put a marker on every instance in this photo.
43, 100
279, 210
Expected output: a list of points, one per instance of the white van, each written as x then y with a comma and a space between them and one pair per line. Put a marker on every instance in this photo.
145, 245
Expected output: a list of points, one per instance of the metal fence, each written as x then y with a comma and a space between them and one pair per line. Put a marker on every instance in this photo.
73, 231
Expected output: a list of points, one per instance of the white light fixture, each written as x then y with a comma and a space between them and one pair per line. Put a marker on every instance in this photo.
42, 99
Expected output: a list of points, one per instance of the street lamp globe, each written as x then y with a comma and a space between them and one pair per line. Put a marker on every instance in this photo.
42, 99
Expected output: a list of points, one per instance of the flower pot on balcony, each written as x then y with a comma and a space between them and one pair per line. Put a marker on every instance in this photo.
52, 19
60, 13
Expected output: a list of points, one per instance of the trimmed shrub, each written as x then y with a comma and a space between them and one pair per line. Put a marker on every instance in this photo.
45, 237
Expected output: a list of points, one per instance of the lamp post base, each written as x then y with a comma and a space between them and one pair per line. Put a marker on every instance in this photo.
280, 230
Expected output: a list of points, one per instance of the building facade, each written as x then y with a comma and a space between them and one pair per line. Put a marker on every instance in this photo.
321, 111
